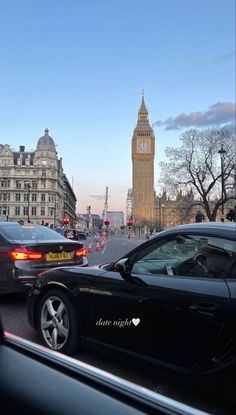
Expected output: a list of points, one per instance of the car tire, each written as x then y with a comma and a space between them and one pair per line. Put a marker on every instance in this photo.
57, 322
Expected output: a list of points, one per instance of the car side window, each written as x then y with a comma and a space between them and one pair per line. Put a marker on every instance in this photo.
187, 255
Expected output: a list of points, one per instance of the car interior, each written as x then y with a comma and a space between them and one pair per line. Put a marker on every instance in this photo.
36, 380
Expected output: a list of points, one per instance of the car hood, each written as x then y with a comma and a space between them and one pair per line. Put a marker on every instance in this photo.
69, 277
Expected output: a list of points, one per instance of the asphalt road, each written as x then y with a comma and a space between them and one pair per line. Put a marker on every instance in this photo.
13, 313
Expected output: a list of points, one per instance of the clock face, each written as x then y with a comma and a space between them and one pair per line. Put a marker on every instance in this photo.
143, 145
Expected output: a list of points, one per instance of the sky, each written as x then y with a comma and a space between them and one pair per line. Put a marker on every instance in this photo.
78, 68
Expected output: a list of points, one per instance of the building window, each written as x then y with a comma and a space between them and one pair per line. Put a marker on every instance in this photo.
26, 185
51, 212
42, 211
43, 173
25, 211
17, 210
51, 198
34, 185
27, 162
34, 197
43, 197
5, 183
33, 211
17, 197
26, 197
18, 184
6, 197
43, 184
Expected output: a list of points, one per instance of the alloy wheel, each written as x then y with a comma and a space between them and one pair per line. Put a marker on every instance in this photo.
54, 322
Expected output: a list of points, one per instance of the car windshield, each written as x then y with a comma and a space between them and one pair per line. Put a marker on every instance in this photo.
30, 233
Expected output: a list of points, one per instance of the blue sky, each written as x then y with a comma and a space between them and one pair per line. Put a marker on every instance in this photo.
78, 68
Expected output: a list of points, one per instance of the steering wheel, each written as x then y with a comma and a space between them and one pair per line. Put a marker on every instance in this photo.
200, 260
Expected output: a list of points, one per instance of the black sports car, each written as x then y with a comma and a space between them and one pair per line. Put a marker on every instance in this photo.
171, 302
27, 249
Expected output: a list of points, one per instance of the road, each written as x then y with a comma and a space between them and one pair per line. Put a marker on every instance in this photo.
13, 313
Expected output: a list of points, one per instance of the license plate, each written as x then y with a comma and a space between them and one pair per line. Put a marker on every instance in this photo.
58, 256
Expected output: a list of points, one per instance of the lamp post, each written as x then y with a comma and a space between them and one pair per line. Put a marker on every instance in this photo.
163, 215
160, 212
29, 188
222, 153
55, 214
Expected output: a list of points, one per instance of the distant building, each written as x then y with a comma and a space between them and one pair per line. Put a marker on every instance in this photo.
129, 204
33, 186
116, 218
93, 219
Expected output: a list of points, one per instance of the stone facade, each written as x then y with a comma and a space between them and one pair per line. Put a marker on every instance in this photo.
143, 153
33, 186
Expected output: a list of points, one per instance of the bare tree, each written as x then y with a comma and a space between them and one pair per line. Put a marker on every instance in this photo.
196, 165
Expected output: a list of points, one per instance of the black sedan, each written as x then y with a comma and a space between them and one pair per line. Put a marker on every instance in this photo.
170, 302
28, 249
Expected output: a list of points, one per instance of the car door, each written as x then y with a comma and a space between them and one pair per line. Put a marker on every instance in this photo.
114, 310
6, 270
187, 304
170, 309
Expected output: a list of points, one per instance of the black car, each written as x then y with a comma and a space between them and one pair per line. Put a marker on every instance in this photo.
170, 302
28, 249
75, 234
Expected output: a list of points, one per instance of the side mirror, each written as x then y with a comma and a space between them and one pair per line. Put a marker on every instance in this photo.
123, 267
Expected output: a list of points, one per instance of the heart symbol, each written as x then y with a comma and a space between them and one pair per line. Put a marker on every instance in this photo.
135, 321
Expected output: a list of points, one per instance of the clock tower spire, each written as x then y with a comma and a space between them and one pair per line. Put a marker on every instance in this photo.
143, 152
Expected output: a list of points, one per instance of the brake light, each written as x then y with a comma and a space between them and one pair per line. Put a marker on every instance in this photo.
22, 254
81, 252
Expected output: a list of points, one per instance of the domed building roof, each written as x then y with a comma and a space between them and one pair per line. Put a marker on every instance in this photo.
46, 142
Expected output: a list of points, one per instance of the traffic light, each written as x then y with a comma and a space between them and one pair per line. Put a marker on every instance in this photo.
129, 222
107, 222
66, 221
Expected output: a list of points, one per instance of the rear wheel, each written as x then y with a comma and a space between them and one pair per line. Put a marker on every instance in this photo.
57, 322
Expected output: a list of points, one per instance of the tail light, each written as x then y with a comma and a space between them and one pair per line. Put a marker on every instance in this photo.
22, 254
81, 252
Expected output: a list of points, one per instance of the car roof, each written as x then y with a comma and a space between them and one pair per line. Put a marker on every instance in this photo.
213, 228
23, 224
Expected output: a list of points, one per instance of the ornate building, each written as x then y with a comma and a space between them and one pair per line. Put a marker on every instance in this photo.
143, 153
33, 186
162, 211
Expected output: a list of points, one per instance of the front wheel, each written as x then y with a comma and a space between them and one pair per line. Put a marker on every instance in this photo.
58, 324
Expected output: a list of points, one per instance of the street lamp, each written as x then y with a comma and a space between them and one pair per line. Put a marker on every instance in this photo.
29, 187
160, 212
163, 215
222, 153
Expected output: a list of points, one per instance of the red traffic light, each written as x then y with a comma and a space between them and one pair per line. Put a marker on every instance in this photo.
129, 222
66, 220
107, 222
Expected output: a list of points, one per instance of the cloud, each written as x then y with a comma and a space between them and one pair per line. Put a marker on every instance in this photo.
98, 197
218, 115
227, 56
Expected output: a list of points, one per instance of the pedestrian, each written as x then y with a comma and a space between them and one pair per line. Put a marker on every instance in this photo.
199, 216
231, 215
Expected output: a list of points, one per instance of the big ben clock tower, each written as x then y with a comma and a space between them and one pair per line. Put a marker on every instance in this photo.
143, 152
